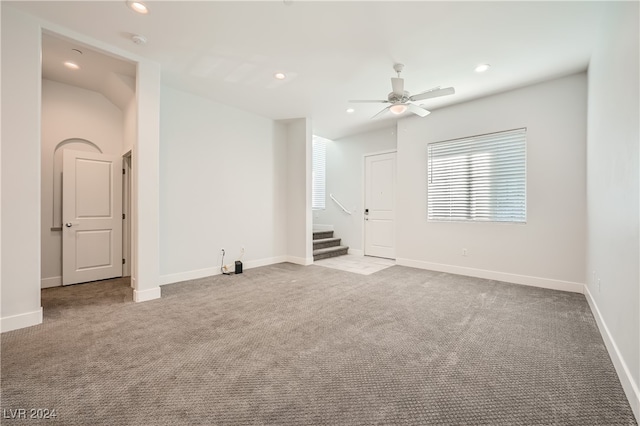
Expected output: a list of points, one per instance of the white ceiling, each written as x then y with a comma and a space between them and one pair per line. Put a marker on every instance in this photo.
112, 77
336, 51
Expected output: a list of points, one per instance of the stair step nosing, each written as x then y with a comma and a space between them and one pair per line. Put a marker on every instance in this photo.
326, 240
330, 249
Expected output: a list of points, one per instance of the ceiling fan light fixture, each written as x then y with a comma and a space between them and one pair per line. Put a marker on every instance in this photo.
482, 67
398, 108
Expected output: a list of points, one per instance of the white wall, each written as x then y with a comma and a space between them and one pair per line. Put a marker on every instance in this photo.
0, 180
130, 125
223, 180
613, 184
549, 249
20, 281
345, 180
299, 219
69, 112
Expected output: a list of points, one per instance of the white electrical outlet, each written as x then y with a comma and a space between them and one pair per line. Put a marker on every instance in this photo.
464, 251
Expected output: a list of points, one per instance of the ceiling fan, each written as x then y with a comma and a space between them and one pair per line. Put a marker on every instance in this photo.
402, 101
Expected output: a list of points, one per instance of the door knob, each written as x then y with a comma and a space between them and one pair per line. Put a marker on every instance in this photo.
68, 224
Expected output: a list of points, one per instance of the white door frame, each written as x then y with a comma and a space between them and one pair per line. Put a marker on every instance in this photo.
364, 189
126, 218
145, 271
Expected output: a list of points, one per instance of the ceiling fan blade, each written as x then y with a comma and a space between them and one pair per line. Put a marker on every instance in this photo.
398, 86
418, 110
381, 112
369, 102
430, 90
433, 94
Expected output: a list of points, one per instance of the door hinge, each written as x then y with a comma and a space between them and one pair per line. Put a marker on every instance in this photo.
123, 216
122, 171
123, 261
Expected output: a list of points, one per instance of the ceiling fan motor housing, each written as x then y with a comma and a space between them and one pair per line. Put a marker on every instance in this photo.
394, 98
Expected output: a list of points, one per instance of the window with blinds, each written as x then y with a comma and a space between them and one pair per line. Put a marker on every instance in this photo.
481, 178
318, 166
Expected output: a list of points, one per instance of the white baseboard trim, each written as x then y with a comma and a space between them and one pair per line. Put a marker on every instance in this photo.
189, 275
631, 389
208, 272
264, 262
322, 227
146, 295
356, 252
15, 322
495, 275
300, 260
51, 282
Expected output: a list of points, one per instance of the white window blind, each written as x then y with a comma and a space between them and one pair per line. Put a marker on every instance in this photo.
319, 155
481, 178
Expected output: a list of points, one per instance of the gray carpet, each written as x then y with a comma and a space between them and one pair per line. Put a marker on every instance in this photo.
292, 345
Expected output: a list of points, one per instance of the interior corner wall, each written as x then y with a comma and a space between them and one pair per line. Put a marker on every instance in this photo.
345, 180
20, 281
69, 112
613, 188
299, 216
223, 180
547, 251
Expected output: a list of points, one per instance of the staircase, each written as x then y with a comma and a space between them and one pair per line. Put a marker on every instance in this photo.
325, 245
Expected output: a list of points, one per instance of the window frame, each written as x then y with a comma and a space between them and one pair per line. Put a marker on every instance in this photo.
318, 180
488, 200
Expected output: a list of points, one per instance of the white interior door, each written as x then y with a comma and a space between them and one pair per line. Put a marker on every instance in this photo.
379, 204
91, 217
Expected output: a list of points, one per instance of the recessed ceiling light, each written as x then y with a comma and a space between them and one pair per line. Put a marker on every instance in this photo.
72, 65
350, 110
138, 6
280, 76
482, 67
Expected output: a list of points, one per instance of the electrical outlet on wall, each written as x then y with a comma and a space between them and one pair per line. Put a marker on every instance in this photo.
464, 251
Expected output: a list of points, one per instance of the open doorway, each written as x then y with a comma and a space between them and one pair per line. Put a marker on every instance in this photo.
88, 107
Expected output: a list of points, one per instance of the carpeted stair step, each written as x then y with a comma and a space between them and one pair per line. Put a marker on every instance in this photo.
325, 253
320, 235
326, 242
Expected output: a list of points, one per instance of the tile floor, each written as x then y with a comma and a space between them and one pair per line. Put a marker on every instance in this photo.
364, 265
